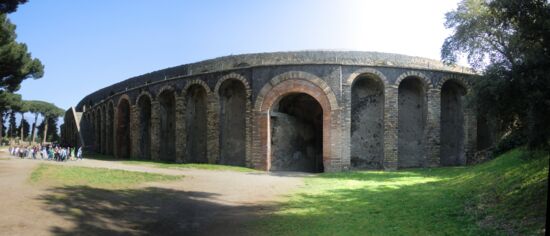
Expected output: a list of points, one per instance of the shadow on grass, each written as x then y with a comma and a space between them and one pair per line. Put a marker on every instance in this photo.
149, 211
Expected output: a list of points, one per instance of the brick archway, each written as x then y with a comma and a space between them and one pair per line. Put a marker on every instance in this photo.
271, 97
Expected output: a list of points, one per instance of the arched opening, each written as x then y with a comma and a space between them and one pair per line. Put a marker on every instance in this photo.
367, 123
195, 117
123, 129
411, 122
167, 102
452, 124
110, 126
232, 96
104, 125
297, 134
144, 105
98, 131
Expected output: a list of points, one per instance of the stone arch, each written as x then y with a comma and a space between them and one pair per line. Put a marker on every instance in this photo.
196, 96
103, 118
459, 80
161, 90
97, 128
369, 72
427, 83
233, 76
412, 119
144, 94
294, 82
452, 123
195, 82
144, 106
167, 123
367, 119
110, 127
123, 142
326, 90
233, 108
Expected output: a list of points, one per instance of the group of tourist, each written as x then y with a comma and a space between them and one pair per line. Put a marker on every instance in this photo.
49, 152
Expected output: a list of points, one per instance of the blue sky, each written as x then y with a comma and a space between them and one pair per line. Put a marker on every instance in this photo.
86, 45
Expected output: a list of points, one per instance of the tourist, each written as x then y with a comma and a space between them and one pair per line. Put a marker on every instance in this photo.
44, 153
51, 154
72, 153
79, 153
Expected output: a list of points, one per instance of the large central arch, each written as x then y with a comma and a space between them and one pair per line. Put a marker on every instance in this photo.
280, 87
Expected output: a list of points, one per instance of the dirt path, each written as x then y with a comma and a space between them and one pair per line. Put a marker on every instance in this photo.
205, 202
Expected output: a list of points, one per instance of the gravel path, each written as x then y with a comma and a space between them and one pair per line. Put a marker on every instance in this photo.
204, 202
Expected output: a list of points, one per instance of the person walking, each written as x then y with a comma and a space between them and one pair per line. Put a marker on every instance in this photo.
79, 153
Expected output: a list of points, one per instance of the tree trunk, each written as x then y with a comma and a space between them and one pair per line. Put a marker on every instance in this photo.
33, 134
45, 130
21, 129
11, 129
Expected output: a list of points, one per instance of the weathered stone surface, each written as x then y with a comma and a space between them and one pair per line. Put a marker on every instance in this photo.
232, 126
217, 111
452, 124
412, 121
367, 124
196, 125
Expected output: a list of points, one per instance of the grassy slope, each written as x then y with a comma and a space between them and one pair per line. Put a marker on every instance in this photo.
507, 195
93, 177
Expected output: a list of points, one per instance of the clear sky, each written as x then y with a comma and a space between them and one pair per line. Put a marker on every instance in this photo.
87, 45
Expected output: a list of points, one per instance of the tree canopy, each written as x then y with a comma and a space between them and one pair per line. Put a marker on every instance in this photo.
9, 6
509, 42
16, 63
9, 101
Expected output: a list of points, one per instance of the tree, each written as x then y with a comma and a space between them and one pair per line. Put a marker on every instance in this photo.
509, 42
48, 129
37, 108
7, 102
24, 128
22, 109
16, 63
9, 6
12, 128
50, 112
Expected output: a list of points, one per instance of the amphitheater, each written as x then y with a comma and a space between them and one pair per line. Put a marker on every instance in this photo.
311, 111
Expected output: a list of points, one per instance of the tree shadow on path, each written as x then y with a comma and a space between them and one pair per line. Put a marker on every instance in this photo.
146, 211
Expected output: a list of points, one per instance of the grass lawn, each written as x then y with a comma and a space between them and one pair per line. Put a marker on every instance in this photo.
172, 165
504, 196
93, 177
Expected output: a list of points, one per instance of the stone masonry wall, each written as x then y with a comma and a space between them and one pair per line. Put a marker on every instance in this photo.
266, 79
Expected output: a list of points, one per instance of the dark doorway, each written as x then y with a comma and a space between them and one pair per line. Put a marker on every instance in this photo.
110, 126
98, 131
167, 102
144, 105
123, 129
297, 134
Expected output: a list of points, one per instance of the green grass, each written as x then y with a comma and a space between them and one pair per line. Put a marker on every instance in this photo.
171, 165
186, 165
504, 196
93, 177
